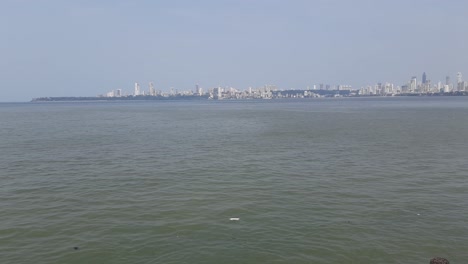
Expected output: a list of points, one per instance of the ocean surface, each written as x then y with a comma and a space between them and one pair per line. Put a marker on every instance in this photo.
350, 180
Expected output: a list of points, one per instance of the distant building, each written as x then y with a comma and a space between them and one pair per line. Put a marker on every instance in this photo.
137, 90
217, 93
404, 89
446, 88
152, 91
413, 85
460, 83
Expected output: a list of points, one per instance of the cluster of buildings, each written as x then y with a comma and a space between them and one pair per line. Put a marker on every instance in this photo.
425, 86
218, 93
413, 87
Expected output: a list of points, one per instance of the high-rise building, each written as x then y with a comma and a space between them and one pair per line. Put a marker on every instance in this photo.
137, 89
460, 82
459, 77
447, 80
217, 92
152, 91
413, 84
424, 79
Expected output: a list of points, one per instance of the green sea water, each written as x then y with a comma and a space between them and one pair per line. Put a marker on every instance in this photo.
353, 180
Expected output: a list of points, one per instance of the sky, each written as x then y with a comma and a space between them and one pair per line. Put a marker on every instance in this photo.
86, 48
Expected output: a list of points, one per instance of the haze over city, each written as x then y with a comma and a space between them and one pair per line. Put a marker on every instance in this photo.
61, 48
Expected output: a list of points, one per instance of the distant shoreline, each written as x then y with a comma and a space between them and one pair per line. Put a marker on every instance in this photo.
290, 94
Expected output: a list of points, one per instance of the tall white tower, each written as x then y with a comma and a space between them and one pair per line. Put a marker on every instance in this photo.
137, 89
413, 84
152, 92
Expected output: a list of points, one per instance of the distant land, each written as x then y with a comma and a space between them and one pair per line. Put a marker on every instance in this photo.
412, 88
218, 95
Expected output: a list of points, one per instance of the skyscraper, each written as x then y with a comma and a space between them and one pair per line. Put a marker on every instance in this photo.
137, 89
460, 82
152, 92
424, 80
459, 77
413, 84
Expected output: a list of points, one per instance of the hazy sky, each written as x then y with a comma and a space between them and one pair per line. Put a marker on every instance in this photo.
85, 48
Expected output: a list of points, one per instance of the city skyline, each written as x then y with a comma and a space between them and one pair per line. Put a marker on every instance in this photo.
269, 91
56, 48
381, 88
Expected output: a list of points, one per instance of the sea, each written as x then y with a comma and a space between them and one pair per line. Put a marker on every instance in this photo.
325, 180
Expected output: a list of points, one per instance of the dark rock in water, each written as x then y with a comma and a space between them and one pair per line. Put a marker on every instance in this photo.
438, 260
76, 248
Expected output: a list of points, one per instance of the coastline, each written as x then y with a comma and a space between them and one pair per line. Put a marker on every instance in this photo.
277, 95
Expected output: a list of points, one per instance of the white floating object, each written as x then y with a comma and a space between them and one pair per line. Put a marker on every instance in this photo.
234, 219
418, 214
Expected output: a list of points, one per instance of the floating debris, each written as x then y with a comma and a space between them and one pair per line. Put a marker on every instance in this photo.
234, 219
